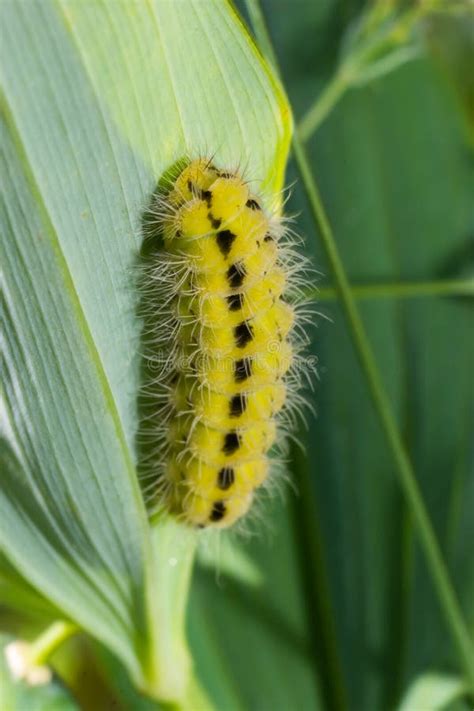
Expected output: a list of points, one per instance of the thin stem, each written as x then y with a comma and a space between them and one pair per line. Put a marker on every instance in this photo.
436, 564
399, 290
348, 72
41, 649
320, 615
261, 33
323, 105
382, 405
319, 609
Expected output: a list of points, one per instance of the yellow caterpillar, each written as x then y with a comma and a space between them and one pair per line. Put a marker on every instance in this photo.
224, 331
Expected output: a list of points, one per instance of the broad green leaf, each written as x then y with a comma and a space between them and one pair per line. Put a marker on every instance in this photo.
16, 594
99, 99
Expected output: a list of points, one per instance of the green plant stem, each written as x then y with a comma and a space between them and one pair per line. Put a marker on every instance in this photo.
399, 290
436, 564
170, 666
323, 105
261, 33
48, 641
383, 408
330, 677
347, 73
310, 551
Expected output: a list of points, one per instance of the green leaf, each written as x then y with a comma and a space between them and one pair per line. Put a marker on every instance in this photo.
18, 595
230, 559
450, 39
98, 100
432, 692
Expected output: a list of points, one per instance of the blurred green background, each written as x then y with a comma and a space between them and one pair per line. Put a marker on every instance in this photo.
329, 603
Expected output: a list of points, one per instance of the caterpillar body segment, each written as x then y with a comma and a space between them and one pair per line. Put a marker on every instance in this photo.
226, 337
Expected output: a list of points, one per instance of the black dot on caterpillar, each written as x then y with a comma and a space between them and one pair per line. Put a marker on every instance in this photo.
218, 511
237, 404
224, 379
235, 274
225, 478
242, 369
243, 334
253, 204
231, 442
235, 301
225, 238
